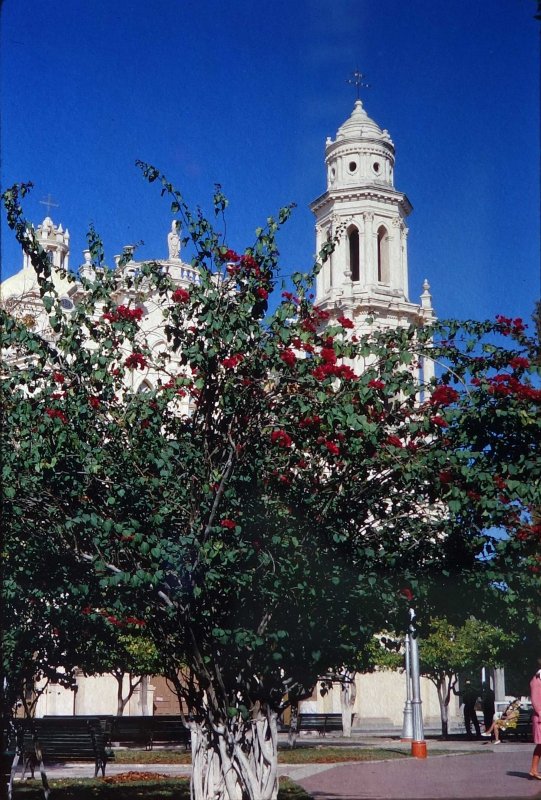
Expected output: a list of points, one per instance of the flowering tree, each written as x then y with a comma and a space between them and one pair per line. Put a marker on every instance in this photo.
259, 508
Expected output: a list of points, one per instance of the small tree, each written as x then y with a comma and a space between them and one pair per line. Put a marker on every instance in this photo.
260, 507
446, 650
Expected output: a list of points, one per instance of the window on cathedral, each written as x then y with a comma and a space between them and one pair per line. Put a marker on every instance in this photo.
384, 274
354, 259
352, 166
375, 166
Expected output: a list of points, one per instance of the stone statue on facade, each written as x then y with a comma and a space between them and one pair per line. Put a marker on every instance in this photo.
173, 241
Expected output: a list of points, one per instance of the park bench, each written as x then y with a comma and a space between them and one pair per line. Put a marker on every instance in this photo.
58, 740
322, 723
148, 731
170, 729
523, 729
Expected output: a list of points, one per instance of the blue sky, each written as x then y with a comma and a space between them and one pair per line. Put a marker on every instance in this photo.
244, 92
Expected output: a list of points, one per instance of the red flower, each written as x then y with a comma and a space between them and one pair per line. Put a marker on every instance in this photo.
288, 357
281, 438
232, 361
249, 262
445, 476
440, 421
230, 255
345, 372
332, 448
305, 422
55, 413
376, 384
94, 402
394, 441
519, 363
443, 396
136, 361
345, 322
58, 377
180, 296
135, 621
125, 313
510, 326
320, 314
87, 610
407, 593
228, 523
130, 314
328, 355
262, 293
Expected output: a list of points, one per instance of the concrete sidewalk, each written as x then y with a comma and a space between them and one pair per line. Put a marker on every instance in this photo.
454, 770
494, 773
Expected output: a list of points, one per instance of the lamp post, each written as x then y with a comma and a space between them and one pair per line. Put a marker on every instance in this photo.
418, 744
407, 726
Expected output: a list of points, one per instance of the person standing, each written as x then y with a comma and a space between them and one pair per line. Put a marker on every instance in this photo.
470, 696
535, 696
488, 704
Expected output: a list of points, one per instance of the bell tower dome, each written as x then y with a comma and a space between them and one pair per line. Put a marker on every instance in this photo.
367, 274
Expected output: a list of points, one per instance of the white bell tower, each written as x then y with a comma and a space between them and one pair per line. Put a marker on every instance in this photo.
367, 274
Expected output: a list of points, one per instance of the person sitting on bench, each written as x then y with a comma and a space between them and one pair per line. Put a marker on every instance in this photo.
508, 719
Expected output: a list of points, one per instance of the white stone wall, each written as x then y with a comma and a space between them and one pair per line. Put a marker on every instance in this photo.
96, 694
380, 700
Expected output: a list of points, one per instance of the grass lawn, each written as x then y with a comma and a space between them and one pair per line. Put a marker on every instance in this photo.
319, 754
152, 789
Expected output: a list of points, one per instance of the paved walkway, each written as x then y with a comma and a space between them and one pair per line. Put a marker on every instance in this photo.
499, 773
457, 770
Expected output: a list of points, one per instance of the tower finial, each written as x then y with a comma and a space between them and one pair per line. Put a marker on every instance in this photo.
48, 201
357, 80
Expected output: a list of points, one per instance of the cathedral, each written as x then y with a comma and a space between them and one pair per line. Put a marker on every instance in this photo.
365, 278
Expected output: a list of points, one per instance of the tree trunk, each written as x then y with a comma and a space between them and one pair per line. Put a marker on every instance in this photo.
348, 693
236, 760
121, 701
443, 685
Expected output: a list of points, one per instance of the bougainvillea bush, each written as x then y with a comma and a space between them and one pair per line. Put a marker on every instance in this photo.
259, 509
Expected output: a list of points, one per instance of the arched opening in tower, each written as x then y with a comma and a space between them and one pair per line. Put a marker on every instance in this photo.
354, 257
383, 255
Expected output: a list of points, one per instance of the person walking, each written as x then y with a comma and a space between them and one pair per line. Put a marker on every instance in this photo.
470, 695
535, 696
488, 705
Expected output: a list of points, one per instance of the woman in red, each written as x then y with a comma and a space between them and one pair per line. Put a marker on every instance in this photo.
535, 695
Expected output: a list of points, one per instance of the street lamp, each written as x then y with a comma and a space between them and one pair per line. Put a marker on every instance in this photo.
418, 744
407, 726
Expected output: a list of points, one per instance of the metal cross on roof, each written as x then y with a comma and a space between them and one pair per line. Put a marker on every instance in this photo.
357, 80
49, 203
